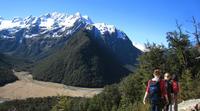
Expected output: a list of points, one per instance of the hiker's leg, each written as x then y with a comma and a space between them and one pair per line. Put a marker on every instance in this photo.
175, 103
167, 107
170, 107
159, 107
175, 106
153, 107
164, 108
163, 105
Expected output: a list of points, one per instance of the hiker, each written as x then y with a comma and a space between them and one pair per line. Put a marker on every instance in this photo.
156, 91
175, 86
169, 88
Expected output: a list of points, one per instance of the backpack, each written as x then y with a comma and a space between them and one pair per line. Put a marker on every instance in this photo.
175, 87
155, 92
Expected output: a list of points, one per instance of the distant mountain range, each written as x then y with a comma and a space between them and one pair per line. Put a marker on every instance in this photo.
69, 49
52, 25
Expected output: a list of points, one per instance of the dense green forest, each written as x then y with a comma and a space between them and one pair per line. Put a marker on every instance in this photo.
180, 58
31, 104
6, 74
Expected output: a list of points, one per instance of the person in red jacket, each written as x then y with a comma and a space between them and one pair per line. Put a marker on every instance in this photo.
169, 87
156, 91
176, 88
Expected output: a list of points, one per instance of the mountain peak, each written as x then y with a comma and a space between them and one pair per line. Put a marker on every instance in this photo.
47, 20
78, 14
55, 24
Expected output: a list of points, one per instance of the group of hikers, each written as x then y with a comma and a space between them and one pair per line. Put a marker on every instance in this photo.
162, 92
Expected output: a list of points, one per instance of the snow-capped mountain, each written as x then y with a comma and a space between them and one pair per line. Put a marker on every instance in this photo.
45, 21
34, 36
53, 25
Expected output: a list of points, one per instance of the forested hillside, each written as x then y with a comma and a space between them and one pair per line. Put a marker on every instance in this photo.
82, 62
6, 74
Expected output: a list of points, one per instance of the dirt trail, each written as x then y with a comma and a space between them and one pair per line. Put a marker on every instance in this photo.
186, 105
26, 87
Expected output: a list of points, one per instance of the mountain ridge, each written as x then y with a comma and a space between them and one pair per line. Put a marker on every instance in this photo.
54, 20
54, 25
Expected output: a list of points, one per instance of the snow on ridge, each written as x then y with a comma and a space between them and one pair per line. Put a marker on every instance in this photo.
55, 20
47, 20
48, 23
105, 27
9, 24
139, 46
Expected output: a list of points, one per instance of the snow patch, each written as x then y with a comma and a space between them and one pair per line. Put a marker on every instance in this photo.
48, 23
140, 46
105, 28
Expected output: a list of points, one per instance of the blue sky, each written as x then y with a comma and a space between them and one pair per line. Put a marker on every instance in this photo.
141, 20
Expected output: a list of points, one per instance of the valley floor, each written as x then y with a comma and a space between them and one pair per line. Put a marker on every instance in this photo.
26, 87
